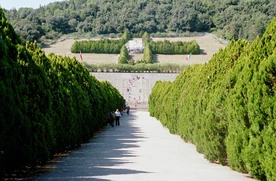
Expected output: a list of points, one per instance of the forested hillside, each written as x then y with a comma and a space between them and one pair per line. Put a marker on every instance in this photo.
226, 107
47, 104
229, 19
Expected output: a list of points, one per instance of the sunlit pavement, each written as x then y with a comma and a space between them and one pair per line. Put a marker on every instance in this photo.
139, 149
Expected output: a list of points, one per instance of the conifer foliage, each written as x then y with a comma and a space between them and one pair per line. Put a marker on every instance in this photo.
48, 104
103, 45
178, 47
124, 56
227, 106
148, 57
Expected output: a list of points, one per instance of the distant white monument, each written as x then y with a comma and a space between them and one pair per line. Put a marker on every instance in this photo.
135, 46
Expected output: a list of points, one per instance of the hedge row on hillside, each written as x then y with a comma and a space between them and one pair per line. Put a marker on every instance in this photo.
48, 104
171, 48
140, 67
227, 106
97, 46
101, 46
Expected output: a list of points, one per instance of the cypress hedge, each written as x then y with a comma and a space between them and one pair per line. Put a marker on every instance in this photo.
171, 48
226, 106
48, 104
98, 46
101, 46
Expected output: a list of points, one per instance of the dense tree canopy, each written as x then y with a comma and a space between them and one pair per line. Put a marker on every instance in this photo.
230, 19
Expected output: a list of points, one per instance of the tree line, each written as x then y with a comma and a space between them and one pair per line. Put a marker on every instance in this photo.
48, 103
140, 67
104, 45
97, 46
229, 19
226, 107
171, 48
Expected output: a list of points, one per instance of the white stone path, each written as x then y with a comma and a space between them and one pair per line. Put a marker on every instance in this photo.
141, 149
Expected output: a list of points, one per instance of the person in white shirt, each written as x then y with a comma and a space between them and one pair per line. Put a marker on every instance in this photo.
118, 115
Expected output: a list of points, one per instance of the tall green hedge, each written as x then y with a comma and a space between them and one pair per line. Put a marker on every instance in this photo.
98, 46
226, 106
48, 104
250, 108
138, 67
101, 46
179, 47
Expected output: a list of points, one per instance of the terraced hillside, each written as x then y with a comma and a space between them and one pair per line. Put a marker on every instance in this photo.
135, 87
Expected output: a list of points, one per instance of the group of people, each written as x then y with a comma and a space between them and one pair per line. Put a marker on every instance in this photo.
115, 116
131, 81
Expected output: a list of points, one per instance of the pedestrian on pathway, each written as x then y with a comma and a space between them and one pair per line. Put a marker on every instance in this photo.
128, 108
110, 119
118, 115
121, 111
114, 116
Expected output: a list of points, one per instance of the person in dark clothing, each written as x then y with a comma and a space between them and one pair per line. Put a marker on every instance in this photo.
127, 108
121, 111
110, 119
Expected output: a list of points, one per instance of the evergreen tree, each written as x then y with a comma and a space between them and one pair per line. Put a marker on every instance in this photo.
148, 57
145, 37
123, 58
126, 36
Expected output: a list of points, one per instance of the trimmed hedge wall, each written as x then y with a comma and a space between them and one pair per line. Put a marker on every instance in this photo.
226, 107
101, 46
98, 46
171, 48
48, 104
139, 67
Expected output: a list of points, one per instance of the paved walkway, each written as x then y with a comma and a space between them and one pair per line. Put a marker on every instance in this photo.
141, 149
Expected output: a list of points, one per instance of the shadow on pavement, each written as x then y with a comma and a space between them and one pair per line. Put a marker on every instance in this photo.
105, 154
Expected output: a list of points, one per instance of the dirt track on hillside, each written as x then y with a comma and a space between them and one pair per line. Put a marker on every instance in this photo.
208, 46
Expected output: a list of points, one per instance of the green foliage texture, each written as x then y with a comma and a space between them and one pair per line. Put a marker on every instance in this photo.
48, 104
226, 107
123, 58
230, 19
179, 47
138, 67
148, 57
101, 46
98, 46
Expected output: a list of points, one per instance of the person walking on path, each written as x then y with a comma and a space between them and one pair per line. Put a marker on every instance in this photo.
128, 109
114, 116
118, 115
110, 119
121, 110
